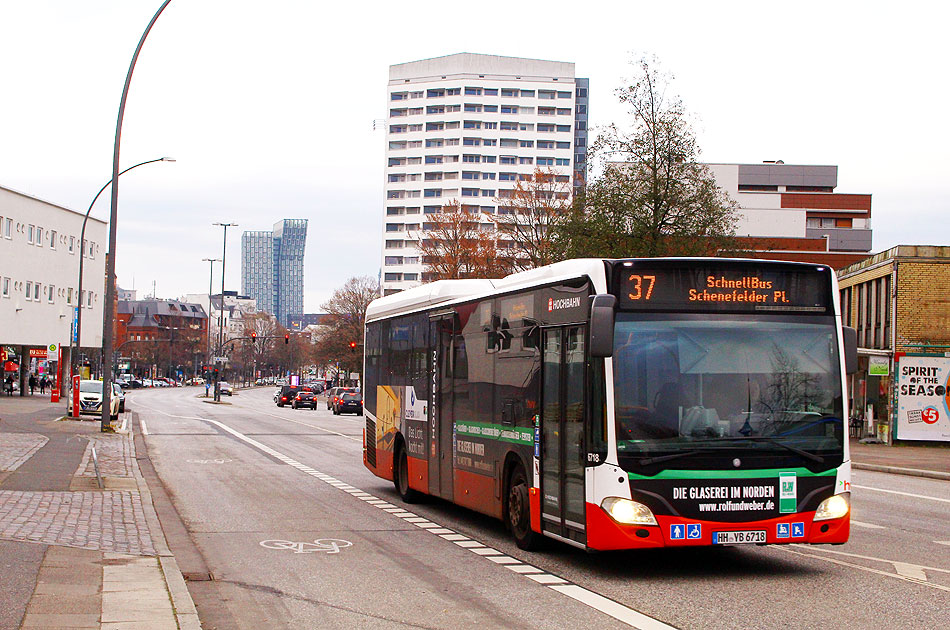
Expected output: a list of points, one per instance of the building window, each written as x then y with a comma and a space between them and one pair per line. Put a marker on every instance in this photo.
393, 260
29, 234
581, 92
509, 109
36, 291
491, 92
393, 244
29, 290
5, 288
52, 239
473, 91
392, 277
410, 277
543, 161
50, 293
564, 95
491, 108
562, 162
527, 93
525, 160
8, 228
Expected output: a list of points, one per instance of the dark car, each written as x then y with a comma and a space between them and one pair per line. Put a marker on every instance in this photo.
304, 398
286, 395
348, 402
333, 395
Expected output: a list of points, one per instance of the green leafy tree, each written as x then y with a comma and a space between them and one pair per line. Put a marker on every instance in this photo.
653, 197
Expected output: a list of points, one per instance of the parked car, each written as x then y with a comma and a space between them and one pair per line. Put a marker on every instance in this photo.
90, 399
118, 392
225, 388
304, 398
348, 402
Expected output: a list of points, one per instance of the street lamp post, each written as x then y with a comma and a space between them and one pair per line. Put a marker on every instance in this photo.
108, 316
77, 343
224, 257
210, 280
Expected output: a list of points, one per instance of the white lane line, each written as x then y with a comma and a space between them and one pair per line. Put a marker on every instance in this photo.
144, 426
589, 598
866, 525
872, 558
942, 542
342, 435
866, 569
910, 570
903, 494
610, 607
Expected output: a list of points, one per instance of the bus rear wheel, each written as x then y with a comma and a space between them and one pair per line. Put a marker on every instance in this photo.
518, 511
401, 476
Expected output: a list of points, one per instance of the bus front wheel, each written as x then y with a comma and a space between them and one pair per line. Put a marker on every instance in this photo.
518, 511
401, 476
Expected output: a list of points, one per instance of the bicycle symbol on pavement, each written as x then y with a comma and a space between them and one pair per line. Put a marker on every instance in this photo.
329, 545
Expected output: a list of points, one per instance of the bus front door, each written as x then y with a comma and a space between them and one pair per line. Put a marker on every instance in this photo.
562, 432
441, 333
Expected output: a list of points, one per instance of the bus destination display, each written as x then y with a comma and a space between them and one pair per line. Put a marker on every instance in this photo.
728, 288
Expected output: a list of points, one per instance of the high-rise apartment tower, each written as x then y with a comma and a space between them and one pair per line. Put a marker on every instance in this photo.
464, 127
272, 268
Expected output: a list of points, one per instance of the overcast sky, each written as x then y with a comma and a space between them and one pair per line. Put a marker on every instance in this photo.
269, 107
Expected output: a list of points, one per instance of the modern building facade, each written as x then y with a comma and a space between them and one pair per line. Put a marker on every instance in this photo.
272, 268
792, 212
465, 128
40, 249
897, 302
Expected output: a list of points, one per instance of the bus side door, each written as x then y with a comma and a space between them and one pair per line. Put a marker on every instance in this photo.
562, 432
441, 399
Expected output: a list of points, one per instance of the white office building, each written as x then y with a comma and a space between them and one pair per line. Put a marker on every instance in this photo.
465, 128
39, 273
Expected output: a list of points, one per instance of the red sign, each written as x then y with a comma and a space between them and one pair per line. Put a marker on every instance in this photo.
38, 353
3, 355
10, 366
930, 415
76, 379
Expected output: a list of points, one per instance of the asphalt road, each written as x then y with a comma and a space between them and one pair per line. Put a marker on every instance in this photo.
298, 534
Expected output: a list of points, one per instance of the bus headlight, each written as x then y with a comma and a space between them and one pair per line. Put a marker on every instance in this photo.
628, 512
834, 506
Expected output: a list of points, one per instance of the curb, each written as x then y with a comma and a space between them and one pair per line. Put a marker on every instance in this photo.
897, 470
186, 615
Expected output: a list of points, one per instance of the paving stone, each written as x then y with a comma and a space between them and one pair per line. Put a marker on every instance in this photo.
16, 448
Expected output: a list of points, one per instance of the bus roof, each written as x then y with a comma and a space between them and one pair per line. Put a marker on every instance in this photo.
449, 291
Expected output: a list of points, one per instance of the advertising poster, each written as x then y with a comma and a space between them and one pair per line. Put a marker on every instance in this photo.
416, 417
923, 404
388, 411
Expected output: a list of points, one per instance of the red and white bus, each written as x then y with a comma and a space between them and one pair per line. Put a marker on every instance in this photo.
617, 404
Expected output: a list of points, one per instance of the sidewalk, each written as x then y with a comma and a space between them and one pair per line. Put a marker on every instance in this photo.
919, 461
85, 557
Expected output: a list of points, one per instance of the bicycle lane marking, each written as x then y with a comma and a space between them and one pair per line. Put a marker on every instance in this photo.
556, 583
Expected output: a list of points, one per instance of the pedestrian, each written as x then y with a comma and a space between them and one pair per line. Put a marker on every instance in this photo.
9, 385
32, 383
43, 382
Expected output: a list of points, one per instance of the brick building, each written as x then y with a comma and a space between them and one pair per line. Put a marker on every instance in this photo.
161, 337
899, 302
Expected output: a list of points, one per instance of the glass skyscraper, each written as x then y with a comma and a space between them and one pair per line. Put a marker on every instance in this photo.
272, 268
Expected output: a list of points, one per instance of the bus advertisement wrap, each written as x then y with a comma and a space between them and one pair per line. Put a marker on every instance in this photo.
923, 403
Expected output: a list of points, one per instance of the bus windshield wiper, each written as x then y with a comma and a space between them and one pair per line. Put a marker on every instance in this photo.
760, 438
646, 461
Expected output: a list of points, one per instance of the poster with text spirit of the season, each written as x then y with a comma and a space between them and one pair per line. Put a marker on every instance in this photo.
923, 404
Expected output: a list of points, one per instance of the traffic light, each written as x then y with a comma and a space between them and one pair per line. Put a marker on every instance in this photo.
287, 338
253, 337
352, 346
215, 373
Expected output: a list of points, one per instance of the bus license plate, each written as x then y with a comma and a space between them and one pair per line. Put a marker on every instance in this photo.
739, 538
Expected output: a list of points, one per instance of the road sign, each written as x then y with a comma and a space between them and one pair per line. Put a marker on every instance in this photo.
52, 352
220, 359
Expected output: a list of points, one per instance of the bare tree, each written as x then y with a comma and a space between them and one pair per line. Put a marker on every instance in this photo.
654, 197
460, 242
344, 324
529, 212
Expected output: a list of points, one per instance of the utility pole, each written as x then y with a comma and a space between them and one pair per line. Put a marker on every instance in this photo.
224, 257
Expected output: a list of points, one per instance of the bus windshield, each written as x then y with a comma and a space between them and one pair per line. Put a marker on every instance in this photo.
694, 392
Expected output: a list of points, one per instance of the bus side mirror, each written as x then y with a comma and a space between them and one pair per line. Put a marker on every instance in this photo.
850, 349
602, 325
